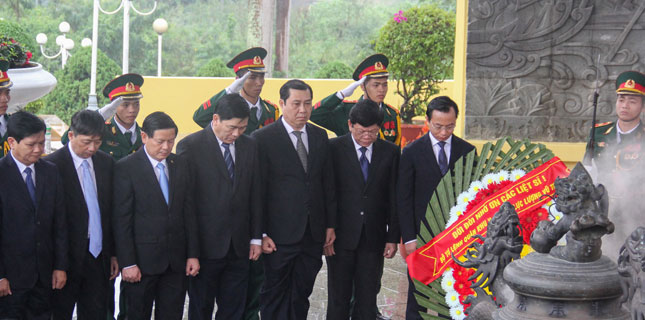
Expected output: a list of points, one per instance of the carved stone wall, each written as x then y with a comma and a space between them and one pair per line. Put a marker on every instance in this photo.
532, 65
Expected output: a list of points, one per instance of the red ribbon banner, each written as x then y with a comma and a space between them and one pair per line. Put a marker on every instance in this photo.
427, 263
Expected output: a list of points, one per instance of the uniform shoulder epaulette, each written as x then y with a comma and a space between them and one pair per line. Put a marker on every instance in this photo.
350, 101
393, 108
598, 125
108, 122
271, 103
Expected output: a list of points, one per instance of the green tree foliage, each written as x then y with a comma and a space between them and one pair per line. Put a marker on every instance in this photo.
13, 30
421, 53
334, 70
215, 68
71, 92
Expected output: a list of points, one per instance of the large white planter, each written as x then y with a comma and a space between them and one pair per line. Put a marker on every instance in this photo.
29, 84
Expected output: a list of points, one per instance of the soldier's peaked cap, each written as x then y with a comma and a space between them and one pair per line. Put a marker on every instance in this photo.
127, 86
5, 82
252, 59
374, 66
631, 82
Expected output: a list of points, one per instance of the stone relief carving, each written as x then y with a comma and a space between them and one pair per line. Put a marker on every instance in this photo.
533, 65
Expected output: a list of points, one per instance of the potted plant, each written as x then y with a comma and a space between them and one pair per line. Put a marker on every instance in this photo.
30, 80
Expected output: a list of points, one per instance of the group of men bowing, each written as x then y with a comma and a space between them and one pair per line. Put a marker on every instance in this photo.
240, 217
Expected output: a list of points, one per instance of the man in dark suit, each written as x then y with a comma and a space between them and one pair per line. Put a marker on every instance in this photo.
423, 164
368, 227
33, 229
299, 219
225, 165
155, 230
86, 173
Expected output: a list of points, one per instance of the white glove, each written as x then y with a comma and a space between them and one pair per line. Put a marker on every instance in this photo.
342, 94
109, 109
237, 85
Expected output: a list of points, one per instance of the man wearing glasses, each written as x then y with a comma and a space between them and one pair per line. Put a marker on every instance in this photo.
423, 164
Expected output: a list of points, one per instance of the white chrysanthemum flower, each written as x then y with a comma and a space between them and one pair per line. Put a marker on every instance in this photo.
461, 208
457, 313
465, 197
452, 299
488, 179
448, 281
451, 220
475, 186
457, 211
502, 175
516, 174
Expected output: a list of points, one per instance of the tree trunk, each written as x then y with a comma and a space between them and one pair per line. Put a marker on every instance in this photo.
283, 17
254, 33
268, 22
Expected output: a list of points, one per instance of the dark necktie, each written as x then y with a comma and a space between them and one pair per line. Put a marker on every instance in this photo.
364, 163
254, 115
30, 185
300, 149
128, 136
230, 165
443, 160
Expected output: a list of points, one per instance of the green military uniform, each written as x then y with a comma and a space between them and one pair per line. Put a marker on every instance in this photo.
252, 60
332, 112
116, 144
270, 113
5, 83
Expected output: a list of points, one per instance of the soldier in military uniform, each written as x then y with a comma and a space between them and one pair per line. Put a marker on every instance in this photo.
618, 158
371, 75
5, 97
249, 70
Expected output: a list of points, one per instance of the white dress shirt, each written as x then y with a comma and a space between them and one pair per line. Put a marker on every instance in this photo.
258, 105
123, 130
436, 147
3, 125
154, 163
624, 132
22, 167
78, 165
368, 152
293, 137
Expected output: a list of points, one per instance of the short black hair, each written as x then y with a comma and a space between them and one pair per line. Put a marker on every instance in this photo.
295, 84
88, 123
441, 104
366, 113
23, 124
232, 106
157, 121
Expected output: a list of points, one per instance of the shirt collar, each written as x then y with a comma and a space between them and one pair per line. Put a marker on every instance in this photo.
123, 129
22, 166
358, 146
257, 104
153, 160
627, 132
435, 141
290, 128
78, 161
219, 142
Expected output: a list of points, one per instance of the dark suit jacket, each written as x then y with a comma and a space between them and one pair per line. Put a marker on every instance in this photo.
291, 196
76, 208
147, 231
226, 212
371, 203
33, 239
419, 175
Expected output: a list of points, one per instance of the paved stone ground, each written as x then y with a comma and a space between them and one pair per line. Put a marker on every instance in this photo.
391, 300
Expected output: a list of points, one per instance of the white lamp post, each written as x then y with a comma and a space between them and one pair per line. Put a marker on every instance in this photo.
160, 26
126, 5
65, 44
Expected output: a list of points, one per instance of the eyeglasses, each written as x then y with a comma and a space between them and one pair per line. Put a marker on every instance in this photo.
437, 127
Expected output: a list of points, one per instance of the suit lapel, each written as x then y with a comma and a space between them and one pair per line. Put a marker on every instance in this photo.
16, 179
429, 155
216, 154
314, 147
148, 174
172, 173
69, 169
377, 158
40, 181
352, 158
240, 151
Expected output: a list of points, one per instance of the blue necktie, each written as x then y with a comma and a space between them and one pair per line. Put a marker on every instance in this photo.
230, 165
443, 160
364, 163
30, 185
163, 181
92, 201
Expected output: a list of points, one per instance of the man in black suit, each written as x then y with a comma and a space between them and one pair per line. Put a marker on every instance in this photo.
299, 204
33, 229
86, 173
155, 231
423, 164
368, 227
225, 165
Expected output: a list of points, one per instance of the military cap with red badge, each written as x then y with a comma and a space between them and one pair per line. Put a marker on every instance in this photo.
127, 86
374, 66
631, 83
251, 59
5, 82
